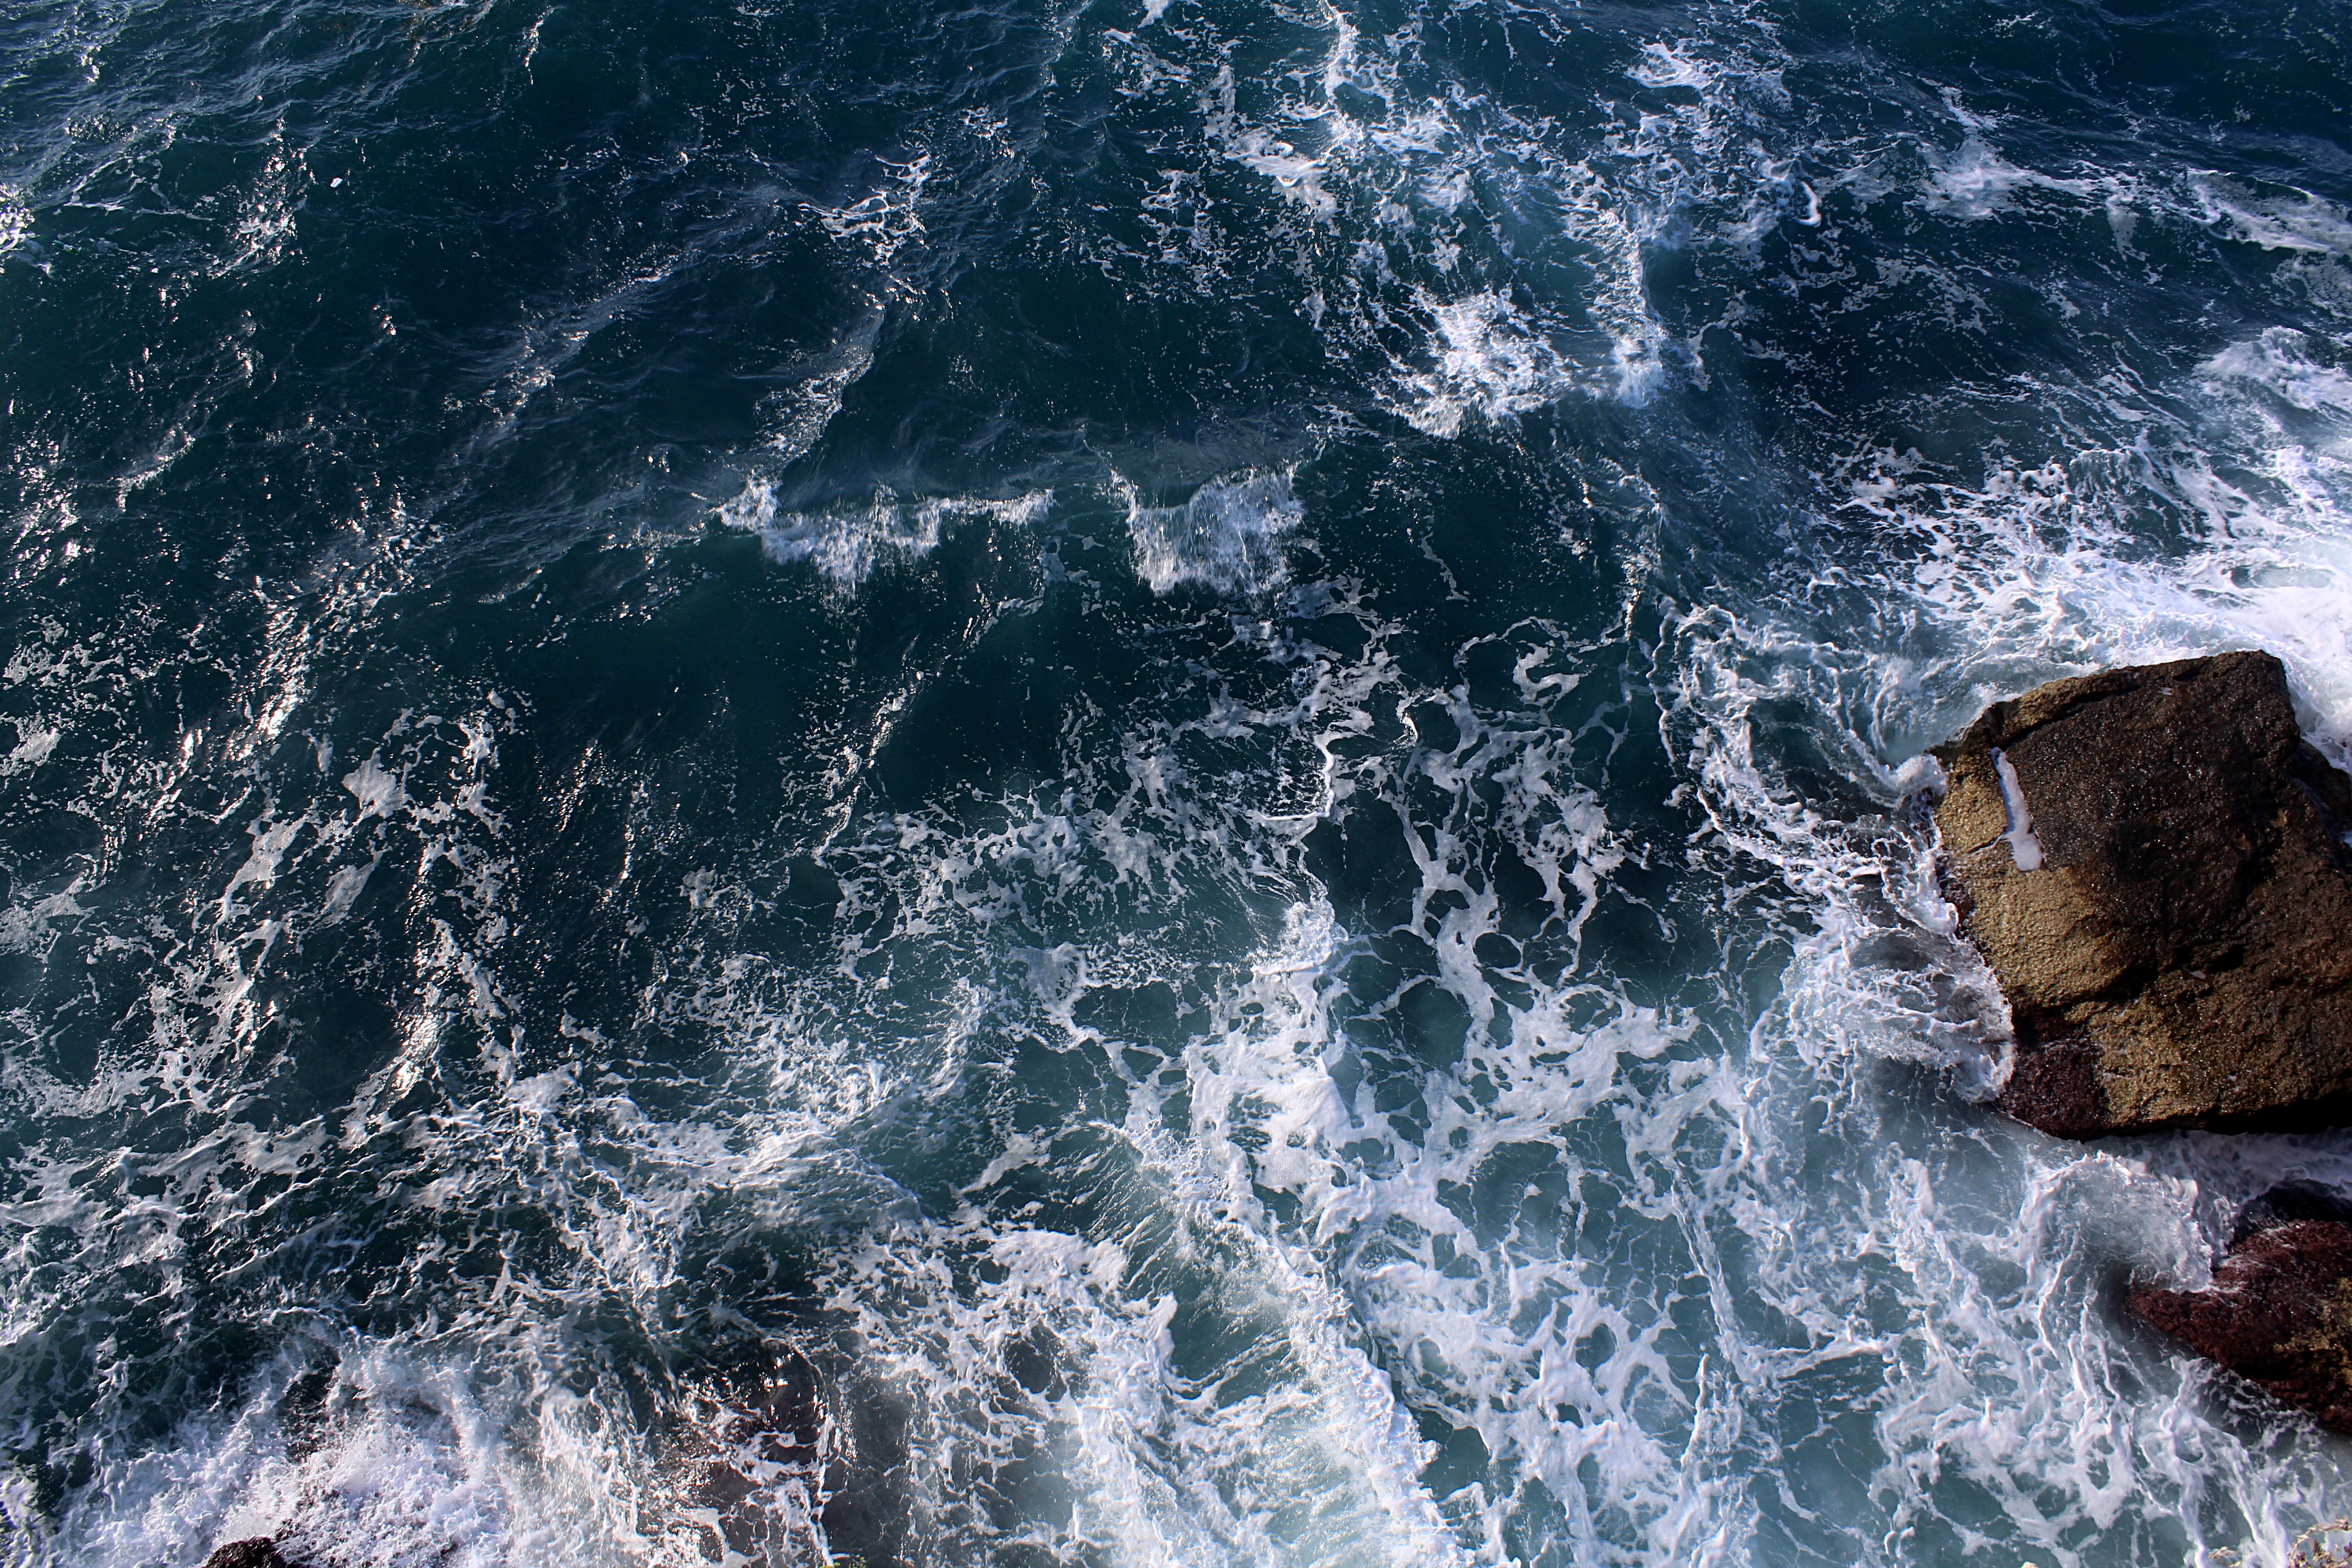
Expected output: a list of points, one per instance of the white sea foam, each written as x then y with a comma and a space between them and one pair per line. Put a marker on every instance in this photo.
1227, 537
888, 220
393, 1462
1486, 362
15, 220
2301, 222
1170, 1464
1975, 182
846, 547
1310, 1460
1272, 1261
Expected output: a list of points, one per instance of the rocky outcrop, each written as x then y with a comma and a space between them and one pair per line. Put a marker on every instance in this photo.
2280, 1308
2151, 859
748, 1456
258, 1552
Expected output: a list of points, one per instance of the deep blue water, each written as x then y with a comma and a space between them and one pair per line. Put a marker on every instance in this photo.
1127, 784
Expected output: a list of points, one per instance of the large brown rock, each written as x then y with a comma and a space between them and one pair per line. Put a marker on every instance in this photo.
2280, 1308
2171, 917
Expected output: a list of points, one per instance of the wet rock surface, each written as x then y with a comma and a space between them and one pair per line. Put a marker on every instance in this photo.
749, 1458
258, 1552
2280, 1308
2151, 859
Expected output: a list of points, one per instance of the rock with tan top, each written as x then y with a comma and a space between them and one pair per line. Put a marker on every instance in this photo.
2152, 860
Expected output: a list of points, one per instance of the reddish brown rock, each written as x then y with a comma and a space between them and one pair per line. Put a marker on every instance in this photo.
2171, 912
2279, 1311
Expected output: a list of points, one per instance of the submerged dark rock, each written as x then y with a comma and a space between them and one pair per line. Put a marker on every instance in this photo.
2287, 1204
749, 1454
2152, 861
258, 1552
2279, 1311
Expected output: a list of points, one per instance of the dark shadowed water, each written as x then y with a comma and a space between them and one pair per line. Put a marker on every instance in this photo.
1147, 769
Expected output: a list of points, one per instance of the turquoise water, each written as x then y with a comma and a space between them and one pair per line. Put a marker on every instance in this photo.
1156, 766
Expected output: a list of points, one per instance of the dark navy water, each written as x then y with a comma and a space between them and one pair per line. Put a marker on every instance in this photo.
1035, 783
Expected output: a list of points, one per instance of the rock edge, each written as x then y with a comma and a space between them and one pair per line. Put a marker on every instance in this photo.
2279, 1311
2151, 859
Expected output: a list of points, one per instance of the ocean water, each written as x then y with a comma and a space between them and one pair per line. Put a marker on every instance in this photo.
1113, 783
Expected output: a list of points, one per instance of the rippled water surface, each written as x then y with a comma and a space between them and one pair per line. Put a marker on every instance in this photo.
1032, 782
